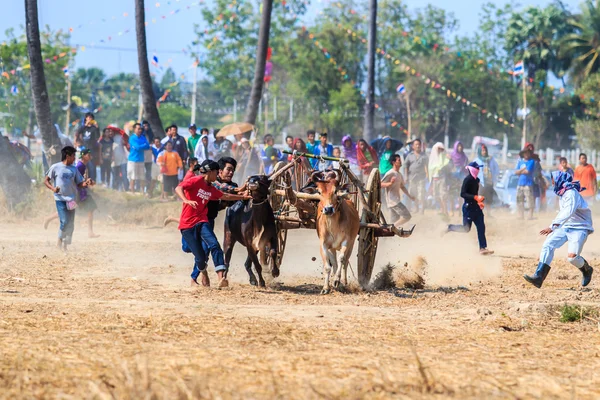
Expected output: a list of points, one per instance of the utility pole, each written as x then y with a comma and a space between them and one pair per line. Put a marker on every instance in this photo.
524, 83
291, 110
234, 110
194, 89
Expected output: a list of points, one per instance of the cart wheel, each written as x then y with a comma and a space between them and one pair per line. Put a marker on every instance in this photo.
367, 241
278, 205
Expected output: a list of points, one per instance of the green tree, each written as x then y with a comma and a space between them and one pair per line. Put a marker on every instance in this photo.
582, 46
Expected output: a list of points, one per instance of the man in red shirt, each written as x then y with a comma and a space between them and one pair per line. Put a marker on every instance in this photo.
586, 175
196, 192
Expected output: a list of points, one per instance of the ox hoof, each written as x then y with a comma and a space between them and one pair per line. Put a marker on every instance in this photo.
336, 284
325, 291
253, 281
275, 272
262, 283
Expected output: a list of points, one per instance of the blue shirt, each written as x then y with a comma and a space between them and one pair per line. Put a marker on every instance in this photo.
137, 145
65, 177
526, 179
327, 151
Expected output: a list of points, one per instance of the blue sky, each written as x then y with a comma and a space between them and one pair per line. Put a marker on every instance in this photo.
167, 36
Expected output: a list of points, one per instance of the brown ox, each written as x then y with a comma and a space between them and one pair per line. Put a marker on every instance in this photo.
337, 226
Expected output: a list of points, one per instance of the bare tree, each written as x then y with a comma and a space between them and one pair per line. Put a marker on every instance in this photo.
39, 90
148, 99
369, 127
261, 60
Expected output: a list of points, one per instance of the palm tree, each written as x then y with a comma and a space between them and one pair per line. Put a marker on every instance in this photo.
261, 60
41, 101
148, 99
582, 46
533, 35
369, 127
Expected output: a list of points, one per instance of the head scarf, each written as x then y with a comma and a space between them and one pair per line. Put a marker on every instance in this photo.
360, 156
435, 158
459, 159
473, 169
480, 153
349, 152
302, 145
563, 181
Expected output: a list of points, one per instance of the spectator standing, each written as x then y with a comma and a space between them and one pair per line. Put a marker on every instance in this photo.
488, 175
148, 131
393, 183
323, 149
85, 201
63, 179
178, 141
439, 169
337, 153
88, 136
119, 164
201, 151
171, 166
270, 155
289, 142
221, 146
563, 166
349, 153
417, 173
385, 147
193, 140
539, 182
459, 162
310, 146
525, 170
366, 157
586, 175
248, 159
106, 151
135, 162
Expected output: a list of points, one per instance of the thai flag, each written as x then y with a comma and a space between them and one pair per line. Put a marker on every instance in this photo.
401, 89
518, 69
66, 71
14, 89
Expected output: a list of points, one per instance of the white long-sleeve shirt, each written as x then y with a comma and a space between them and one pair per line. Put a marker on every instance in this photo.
574, 212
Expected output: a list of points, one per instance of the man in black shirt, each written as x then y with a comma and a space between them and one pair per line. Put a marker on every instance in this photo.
472, 208
87, 136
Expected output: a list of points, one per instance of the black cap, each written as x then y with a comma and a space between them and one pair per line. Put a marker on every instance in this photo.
209, 165
192, 126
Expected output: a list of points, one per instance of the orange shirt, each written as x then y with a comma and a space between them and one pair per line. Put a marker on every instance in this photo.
171, 161
586, 175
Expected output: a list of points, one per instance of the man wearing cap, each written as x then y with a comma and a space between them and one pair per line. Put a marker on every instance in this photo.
572, 224
195, 228
472, 208
193, 140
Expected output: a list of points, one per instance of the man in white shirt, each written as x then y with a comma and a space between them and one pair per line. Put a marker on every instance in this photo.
572, 224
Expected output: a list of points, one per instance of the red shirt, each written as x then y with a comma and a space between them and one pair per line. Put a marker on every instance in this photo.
188, 175
198, 190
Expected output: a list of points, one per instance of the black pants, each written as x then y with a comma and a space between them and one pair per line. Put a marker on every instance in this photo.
105, 171
472, 215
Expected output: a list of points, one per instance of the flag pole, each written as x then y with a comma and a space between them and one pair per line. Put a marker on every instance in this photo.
524, 83
407, 97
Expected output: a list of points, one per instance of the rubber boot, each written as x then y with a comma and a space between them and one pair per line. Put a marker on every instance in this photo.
587, 272
540, 274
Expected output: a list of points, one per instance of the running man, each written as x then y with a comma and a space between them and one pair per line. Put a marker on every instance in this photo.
393, 183
572, 224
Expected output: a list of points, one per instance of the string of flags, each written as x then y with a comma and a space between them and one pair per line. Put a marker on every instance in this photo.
430, 82
344, 75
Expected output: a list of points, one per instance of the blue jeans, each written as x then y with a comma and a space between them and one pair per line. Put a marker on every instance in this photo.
195, 238
472, 215
67, 222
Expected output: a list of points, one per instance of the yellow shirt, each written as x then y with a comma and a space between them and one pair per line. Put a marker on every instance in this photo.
171, 162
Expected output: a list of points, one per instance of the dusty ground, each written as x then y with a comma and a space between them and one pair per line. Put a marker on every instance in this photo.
116, 318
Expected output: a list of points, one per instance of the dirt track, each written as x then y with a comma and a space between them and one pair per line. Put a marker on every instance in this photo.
116, 318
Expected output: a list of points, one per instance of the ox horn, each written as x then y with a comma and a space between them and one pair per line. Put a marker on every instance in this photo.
316, 176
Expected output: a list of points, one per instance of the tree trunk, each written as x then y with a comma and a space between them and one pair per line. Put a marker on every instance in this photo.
261, 60
369, 128
148, 99
41, 101
14, 181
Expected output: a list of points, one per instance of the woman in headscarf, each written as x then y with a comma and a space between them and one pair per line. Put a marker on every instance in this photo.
438, 174
303, 169
349, 153
366, 157
459, 162
489, 174
539, 183
201, 151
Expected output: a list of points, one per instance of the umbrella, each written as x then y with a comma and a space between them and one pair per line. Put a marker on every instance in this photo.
119, 131
237, 128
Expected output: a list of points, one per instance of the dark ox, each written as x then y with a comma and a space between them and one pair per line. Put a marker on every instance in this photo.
253, 225
337, 227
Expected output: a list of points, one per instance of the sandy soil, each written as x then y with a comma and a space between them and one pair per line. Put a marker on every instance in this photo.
115, 318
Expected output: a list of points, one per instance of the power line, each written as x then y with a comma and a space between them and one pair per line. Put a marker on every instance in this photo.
131, 49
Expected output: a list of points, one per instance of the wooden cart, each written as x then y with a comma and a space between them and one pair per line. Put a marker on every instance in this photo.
295, 208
